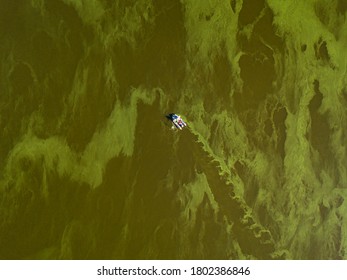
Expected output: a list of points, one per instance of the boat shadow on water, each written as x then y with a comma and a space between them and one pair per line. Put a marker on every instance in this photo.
169, 121
169, 116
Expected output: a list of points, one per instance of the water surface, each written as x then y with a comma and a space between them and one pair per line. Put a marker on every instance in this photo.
90, 168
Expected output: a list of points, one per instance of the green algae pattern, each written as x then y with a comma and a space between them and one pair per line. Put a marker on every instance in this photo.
90, 168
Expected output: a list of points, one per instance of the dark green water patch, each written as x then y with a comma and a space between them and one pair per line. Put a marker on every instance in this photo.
268, 128
279, 119
341, 7
303, 47
163, 56
39, 214
320, 128
321, 50
93, 106
265, 30
257, 74
221, 79
155, 62
45, 54
58, 10
107, 209
250, 11
205, 227
21, 79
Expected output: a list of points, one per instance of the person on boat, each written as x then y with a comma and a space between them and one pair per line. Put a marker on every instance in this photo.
177, 120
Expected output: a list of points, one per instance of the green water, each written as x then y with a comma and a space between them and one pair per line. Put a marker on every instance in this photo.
90, 168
